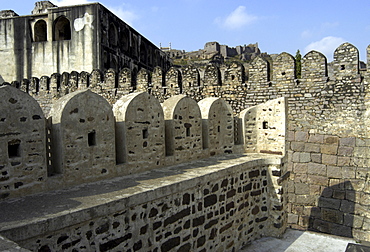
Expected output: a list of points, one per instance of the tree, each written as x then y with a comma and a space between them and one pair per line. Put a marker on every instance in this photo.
298, 65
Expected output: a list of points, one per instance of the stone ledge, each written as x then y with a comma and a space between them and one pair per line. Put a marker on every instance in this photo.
42, 213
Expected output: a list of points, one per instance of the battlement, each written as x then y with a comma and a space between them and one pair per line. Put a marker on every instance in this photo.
74, 128
277, 74
84, 139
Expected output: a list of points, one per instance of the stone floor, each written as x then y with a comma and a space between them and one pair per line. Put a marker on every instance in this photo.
300, 241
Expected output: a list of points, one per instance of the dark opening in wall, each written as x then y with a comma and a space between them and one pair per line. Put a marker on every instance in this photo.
265, 125
218, 129
232, 77
283, 73
187, 126
40, 31
14, 148
62, 29
91, 138
145, 133
342, 67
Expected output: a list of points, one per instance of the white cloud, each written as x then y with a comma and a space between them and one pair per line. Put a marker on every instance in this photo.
324, 28
326, 46
127, 16
329, 25
236, 19
307, 34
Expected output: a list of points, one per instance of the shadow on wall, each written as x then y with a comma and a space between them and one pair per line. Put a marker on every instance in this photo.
335, 211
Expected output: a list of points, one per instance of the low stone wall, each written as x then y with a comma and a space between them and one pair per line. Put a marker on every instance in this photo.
216, 204
329, 187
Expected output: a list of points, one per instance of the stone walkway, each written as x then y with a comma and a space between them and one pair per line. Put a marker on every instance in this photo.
299, 241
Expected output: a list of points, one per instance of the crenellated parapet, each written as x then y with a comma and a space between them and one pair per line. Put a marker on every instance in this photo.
267, 78
84, 139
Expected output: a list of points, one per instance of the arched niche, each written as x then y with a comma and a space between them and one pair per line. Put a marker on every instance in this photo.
62, 29
40, 31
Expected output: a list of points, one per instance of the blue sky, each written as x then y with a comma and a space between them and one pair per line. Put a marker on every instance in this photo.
277, 25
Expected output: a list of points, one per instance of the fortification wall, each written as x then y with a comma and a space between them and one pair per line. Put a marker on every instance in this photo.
84, 139
213, 205
327, 126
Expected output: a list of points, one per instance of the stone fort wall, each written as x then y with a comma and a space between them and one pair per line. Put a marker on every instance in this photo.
221, 203
327, 137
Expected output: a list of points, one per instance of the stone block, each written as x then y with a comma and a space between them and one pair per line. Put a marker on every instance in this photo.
292, 218
345, 151
348, 172
329, 203
365, 199
360, 142
300, 167
301, 188
304, 221
301, 177
347, 141
332, 215
347, 206
340, 230
306, 199
315, 189
304, 157
318, 169
295, 157
290, 136
334, 171
361, 235
297, 146
361, 210
290, 186
339, 194
313, 211
301, 136
329, 159
327, 192
330, 149
344, 161
362, 173
312, 147
352, 220
361, 152
331, 139
317, 180
321, 225
316, 157
358, 185
336, 183
316, 138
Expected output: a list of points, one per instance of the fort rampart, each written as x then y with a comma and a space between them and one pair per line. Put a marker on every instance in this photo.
318, 123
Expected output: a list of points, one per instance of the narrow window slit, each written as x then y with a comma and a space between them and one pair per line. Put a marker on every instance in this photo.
91, 138
145, 133
265, 125
14, 148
